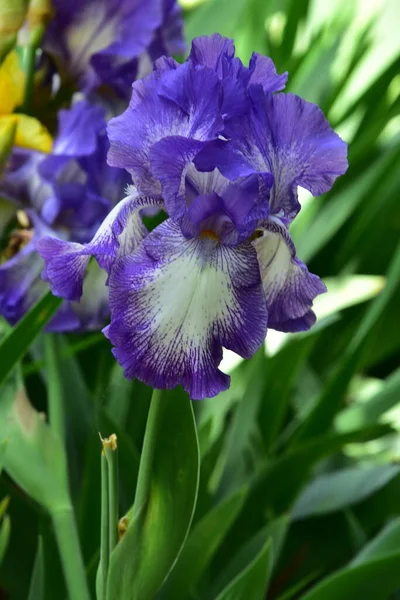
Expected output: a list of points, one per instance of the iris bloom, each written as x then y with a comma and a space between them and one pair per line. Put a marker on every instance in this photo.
65, 194
107, 42
29, 132
215, 145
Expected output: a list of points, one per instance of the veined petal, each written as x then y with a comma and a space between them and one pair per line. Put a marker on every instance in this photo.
288, 285
175, 302
121, 231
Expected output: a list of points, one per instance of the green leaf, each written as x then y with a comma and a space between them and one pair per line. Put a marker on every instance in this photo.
275, 488
3, 447
153, 541
202, 543
275, 531
244, 422
216, 15
321, 417
364, 413
340, 207
334, 491
374, 573
15, 345
5, 530
36, 588
35, 458
252, 582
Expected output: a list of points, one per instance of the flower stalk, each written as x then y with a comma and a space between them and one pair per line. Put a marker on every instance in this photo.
71, 557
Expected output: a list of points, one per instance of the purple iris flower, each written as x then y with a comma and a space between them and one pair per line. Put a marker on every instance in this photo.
65, 195
213, 144
110, 42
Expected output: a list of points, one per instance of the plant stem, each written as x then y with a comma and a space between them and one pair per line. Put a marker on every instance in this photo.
70, 552
104, 543
54, 388
113, 513
149, 446
29, 66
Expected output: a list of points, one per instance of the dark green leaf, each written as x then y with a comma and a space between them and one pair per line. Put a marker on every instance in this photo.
252, 582
201, 546
374, 573
153, 541
36, 589
15, 345
275, 531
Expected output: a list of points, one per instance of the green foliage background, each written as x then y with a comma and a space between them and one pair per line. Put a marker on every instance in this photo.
299, 488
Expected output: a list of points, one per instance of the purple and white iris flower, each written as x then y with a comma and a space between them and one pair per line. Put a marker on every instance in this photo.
216, 146
110, 42
65, 194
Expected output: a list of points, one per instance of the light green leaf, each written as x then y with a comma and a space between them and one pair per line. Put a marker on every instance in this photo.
201, 546
374, 573
252, 582
153, 541
215, 15
17, 342
36, 589
364, 413
334, 491
35, 458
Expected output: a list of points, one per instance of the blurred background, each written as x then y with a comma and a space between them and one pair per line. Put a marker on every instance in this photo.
310, 426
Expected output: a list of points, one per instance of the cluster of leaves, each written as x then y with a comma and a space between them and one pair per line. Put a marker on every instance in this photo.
286, 486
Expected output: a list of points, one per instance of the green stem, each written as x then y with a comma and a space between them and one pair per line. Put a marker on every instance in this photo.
104, 542
113, 513
70, 552
54, 388
29, 66
149, 446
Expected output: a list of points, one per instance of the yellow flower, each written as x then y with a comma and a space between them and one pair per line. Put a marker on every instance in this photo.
29, 132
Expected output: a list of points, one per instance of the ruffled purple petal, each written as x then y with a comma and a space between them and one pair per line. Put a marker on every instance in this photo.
181, 102
66, 262
286, 136
299, 147
175, 302
289, 287
218, 53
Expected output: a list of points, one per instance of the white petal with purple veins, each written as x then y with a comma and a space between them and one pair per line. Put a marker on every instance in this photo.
176, 301
288, 285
